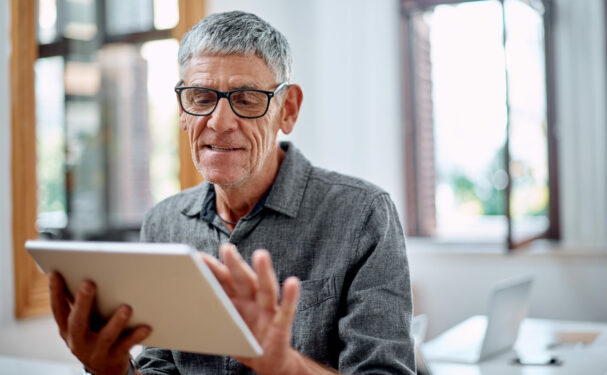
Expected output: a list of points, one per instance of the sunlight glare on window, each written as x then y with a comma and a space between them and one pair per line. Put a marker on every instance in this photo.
528, 122
163, 74
47, 21
166, 14
468, 86
50, 143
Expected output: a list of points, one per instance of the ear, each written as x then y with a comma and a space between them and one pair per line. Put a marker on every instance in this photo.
290, 108
182, 124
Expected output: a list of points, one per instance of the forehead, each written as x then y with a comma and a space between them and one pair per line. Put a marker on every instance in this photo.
228, 71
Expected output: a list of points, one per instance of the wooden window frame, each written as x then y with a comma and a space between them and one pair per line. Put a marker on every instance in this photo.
31, 289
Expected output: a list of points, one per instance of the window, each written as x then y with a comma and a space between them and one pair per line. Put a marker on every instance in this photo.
479, 134
61, 100
106, 117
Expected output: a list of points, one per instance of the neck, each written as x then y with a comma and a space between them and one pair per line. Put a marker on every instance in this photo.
236, 201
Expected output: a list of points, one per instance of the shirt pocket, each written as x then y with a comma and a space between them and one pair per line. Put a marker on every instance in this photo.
315, 292
315, 324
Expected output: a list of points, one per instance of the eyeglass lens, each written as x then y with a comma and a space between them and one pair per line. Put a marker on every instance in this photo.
246, 103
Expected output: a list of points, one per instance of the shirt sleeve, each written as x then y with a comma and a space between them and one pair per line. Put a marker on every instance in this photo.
155, 361
375, 328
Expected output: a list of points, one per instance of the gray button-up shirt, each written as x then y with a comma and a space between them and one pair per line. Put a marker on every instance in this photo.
340, 236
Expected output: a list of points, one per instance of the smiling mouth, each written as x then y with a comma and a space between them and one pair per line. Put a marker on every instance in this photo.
216, 148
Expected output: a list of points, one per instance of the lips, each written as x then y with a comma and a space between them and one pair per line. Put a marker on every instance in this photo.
219, 148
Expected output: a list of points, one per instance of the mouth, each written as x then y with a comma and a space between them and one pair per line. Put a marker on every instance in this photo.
218, 148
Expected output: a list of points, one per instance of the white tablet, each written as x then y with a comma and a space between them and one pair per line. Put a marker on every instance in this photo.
168, 286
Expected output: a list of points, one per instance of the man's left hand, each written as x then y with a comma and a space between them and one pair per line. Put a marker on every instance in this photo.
254, 293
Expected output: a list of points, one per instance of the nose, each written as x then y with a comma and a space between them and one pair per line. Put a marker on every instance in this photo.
223, 119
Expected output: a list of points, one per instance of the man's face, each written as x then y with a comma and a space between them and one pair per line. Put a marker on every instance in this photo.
229, 150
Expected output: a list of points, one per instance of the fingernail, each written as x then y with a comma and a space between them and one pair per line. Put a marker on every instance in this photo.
87, 287
126, 311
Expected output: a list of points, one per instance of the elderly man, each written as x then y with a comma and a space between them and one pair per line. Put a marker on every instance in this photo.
336, 242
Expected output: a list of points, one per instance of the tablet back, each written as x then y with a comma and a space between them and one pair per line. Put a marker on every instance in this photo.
168, 286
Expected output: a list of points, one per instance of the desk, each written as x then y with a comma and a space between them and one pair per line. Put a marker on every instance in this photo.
536, 335
22, 366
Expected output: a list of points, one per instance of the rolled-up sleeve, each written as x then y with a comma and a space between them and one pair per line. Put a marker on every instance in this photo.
375, 328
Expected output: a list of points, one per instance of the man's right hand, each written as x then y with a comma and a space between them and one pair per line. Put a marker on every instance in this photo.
105, 351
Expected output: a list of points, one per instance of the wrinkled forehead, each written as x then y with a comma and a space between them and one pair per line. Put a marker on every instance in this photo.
251, 58
228, 71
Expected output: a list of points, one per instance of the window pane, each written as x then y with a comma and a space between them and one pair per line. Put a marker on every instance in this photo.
50, 144
127, 121
108, 125
469, 101
166, 14
47, 21
528, 123
85, 167
162, 75
123, 17
79, 19
123, 142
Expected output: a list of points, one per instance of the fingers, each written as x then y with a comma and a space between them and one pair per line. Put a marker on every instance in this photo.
114, 327
59, 303
221, 272
288, 305
245, 280
79, 320
136, 337
267, 295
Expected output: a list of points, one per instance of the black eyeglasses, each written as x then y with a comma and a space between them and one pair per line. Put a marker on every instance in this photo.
246, 103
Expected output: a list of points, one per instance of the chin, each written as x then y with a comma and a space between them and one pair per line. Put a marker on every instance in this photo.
221, 178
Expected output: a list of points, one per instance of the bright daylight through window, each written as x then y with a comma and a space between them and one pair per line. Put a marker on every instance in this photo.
478, 129
107, 134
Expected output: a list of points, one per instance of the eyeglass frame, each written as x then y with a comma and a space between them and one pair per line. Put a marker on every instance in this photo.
227, 94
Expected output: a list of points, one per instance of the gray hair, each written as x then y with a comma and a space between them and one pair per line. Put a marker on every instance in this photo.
237, 33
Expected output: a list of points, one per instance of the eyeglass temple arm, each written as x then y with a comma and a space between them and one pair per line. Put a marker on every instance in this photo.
284, 84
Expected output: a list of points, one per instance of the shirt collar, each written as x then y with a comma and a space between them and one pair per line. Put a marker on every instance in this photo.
209, 208
284, 196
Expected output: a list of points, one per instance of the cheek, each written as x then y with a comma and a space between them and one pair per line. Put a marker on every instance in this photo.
264, 138
194, 127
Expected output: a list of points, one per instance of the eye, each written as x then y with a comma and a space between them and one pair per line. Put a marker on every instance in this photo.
247, 98
203, 97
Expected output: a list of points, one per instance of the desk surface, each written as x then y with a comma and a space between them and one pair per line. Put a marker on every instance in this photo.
22, 366
540, 335
535, 334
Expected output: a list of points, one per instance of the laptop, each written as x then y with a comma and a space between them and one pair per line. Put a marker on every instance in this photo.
483, 336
